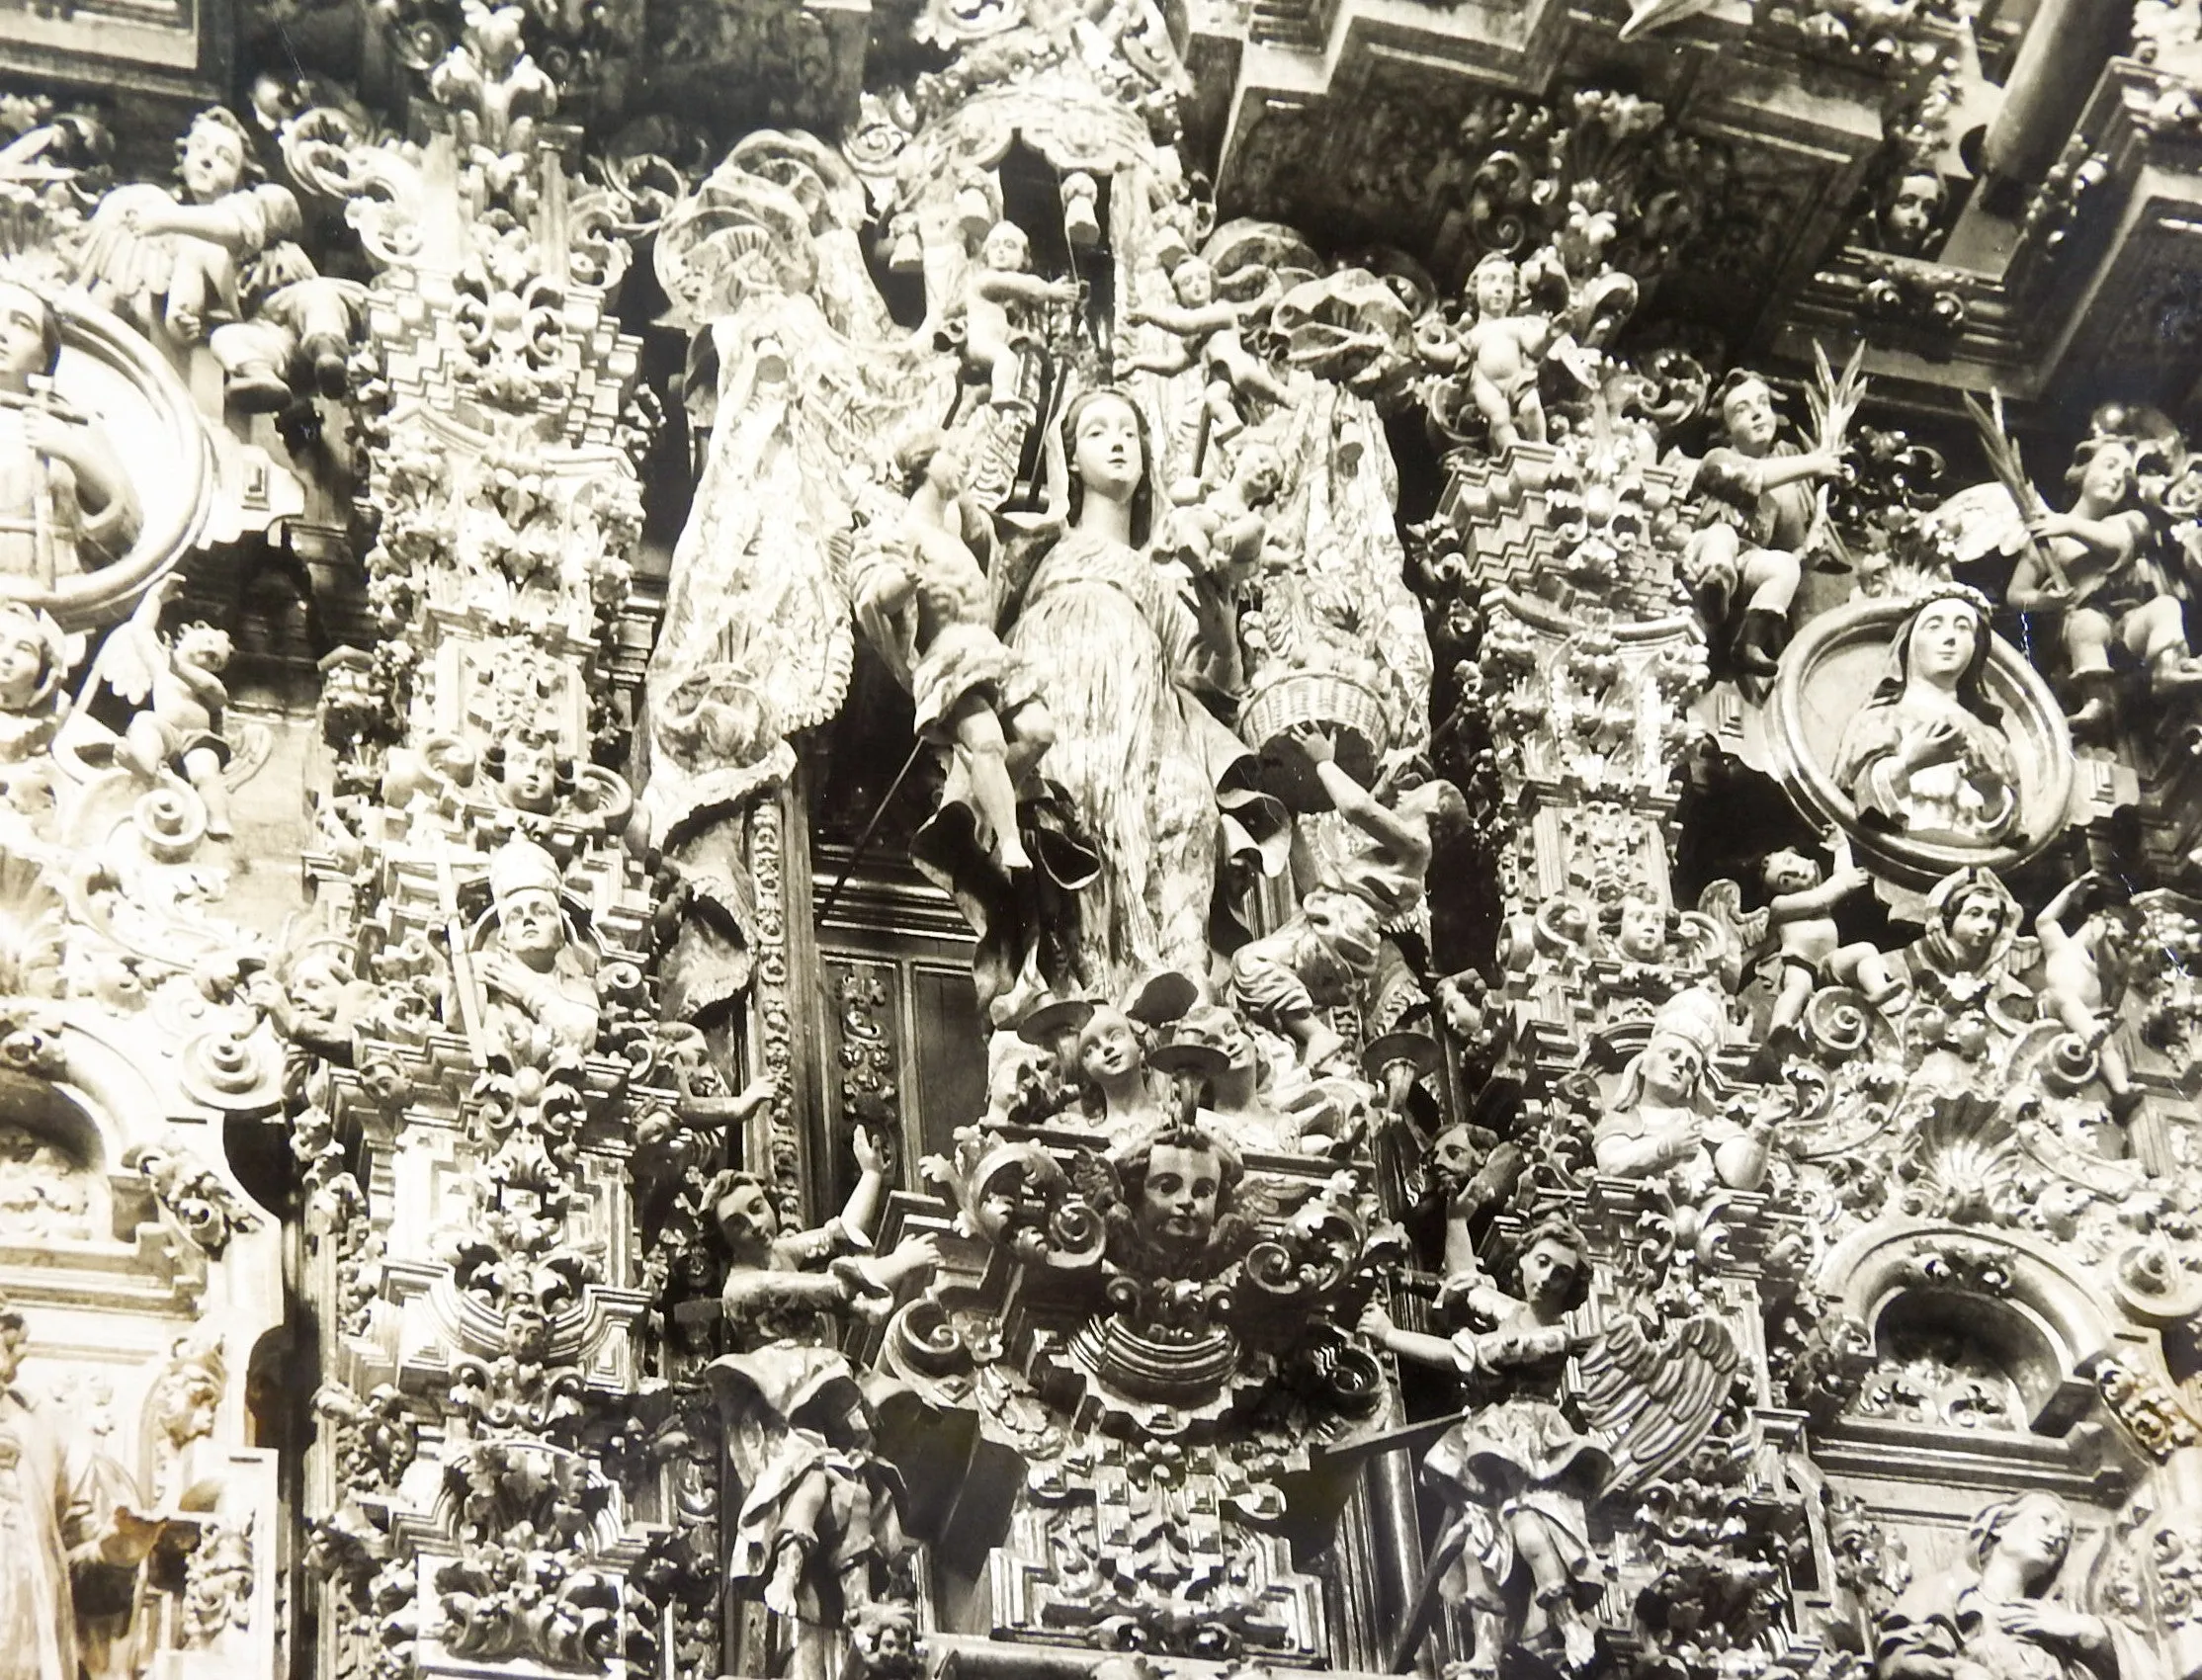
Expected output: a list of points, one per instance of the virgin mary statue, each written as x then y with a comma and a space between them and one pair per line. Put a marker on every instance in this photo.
1159, 787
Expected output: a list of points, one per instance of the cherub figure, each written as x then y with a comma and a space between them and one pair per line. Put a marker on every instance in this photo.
1224, 536
175, 684
1000, 288
1318, 960
925, 600
1505, 347
2085, 971
2113, 593
819, 1524
1391, 835
35, 658
1207, 329
1763, 508
158, 258
1176, 1217
1801, 921
1112, 1068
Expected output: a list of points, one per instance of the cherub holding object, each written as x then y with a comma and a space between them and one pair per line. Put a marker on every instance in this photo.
1001, 282
1223, 536
926, 602
1800, 920
1207, 327
2084, 980
177, 686
177, 259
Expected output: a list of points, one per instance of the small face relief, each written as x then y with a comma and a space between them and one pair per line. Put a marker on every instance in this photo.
1549, 1270
1182, 1185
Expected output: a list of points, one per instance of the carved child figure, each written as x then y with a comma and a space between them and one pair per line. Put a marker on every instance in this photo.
926, 602
1320, 959
2114, 594
1001, 289
1801, 918
2084, 971
1506, 346
177, 260
1207, 329
1762, 509
1112, 1068
177, 688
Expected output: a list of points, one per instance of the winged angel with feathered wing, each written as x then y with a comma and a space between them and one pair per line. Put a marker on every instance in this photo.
797, 371
1523, 1469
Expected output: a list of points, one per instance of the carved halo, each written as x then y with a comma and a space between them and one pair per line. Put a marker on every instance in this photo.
1825, 679
110, 371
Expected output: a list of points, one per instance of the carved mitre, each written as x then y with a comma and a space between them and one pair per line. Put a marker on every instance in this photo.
112, 390
1818, 727
521, 866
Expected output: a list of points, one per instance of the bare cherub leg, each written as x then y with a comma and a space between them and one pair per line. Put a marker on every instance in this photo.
796, 1543
1497, 412
1529, 413
202, 770
1789, 1007
985, 754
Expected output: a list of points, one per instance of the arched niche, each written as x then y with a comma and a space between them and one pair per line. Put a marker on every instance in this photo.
2037, 1322
54, 1167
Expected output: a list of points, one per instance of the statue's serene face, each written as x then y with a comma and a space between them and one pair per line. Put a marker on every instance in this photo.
2037, 1534
1105, 451
530, 924
1107, 1048
1641, 930
1671, 1066
1005, 248
530, 775
1973, 926
1221, 1030
1179, 1200
1497, 288
1548, 1271
1195, 283
22, 334
745, 1214
2108, 477
1942, 642
213, 161
22, 665
1911, 216
1748, 414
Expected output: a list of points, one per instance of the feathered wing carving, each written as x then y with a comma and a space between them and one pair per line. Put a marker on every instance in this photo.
1744, 942
1656, 1392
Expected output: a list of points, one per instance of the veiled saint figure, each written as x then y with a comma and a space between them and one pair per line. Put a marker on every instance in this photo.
1992, 1617
1125, 653
1927, 755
